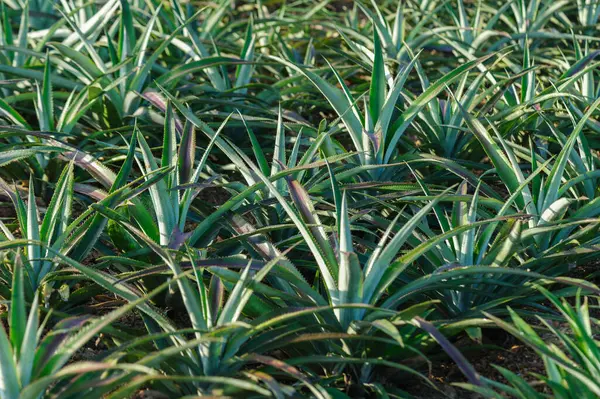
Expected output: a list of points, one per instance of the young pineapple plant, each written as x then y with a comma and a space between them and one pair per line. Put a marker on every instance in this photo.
568, 346
547, 197
348, 285
376, 135
483, 247
166, 221
35, 356
47, 237
208, 357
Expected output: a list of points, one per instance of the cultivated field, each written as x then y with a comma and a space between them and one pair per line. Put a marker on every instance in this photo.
299, 199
